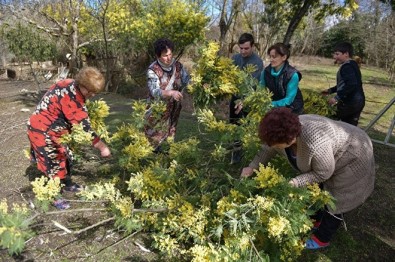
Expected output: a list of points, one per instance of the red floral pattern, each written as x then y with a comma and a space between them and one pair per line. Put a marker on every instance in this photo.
72, 110
37, 139
40, 122
62, 106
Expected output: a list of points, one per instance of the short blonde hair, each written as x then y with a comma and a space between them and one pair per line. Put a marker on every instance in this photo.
90, 78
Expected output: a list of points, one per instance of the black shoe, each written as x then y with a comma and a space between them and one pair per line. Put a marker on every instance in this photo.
73, 188
237, 155
161, 150
157, 150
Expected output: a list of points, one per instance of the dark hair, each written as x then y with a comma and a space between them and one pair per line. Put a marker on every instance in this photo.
161, 45
344, 47
279, 126
246, 37
281, 49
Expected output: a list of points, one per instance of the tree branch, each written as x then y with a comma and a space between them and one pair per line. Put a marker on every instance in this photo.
65, 211
93, 41
50, 18
49, 30
293, 24
94, 225
116, 243
155, 210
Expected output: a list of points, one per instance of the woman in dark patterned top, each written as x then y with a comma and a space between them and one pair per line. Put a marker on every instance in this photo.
166, 79
62, 106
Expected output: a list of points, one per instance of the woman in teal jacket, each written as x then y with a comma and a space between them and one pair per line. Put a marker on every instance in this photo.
282, 79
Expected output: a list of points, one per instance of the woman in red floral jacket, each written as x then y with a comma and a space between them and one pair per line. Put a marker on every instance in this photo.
62, 106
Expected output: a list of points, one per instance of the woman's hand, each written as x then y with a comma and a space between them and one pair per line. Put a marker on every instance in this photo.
168, 94
176, 95
104, 150
247, 171
293, 183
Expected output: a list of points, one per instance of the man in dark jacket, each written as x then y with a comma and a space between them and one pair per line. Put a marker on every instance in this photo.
350, 98
242, 60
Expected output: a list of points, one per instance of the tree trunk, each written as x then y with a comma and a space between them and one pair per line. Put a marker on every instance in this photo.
108, 63
293, 24
74, 58
35, 77
223, 27
226, 20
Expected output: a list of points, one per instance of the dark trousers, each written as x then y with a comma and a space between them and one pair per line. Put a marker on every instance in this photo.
350, 113
234, 118
67, 180
297, 111
329, 224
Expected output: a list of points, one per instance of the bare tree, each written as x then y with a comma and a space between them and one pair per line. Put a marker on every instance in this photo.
75, 7
307, 39
253, 11
99, 12
229, 11
299, 14
65, 26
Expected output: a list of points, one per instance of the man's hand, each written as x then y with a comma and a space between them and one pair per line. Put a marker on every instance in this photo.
325, 92
246, 172
168, 94
238, 107
332, 101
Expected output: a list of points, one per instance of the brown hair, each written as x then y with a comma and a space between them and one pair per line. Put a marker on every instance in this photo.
279, 126
91, 79
280, 49
344, 47
246, 37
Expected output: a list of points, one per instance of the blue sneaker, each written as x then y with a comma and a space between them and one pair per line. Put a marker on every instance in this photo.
314, 243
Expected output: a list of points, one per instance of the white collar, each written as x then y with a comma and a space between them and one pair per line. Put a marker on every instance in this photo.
166, 67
